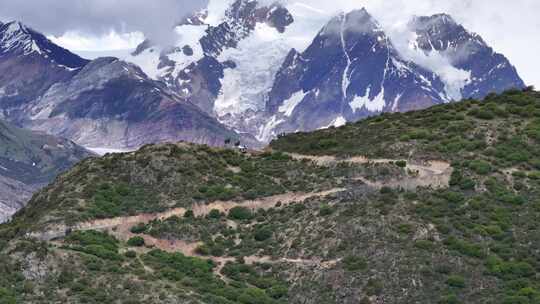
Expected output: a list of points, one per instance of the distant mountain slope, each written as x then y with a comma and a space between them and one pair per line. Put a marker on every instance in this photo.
105, 103
28, 161
249, 70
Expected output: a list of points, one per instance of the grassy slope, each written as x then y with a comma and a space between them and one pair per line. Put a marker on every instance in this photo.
160, 177
476, 242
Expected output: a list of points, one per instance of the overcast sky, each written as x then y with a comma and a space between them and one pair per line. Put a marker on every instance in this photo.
511, 27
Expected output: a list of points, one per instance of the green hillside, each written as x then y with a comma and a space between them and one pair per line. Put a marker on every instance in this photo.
435, 206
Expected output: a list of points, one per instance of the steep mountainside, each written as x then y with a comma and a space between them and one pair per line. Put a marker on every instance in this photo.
28, 161
432, 206
105, 103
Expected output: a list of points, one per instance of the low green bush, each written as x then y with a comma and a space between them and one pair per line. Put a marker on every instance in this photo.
136, 241
240, 213
354, 263
456, 281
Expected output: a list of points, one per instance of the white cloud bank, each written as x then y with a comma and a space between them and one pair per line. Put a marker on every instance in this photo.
94, 20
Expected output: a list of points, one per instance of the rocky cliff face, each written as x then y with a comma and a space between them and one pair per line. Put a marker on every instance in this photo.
28, 161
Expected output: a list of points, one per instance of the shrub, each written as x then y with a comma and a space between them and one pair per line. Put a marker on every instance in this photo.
263, 234
130, 254
424, 244
297, 208
189, 214
482, 114
203, 250
217, 250
374, 287
480, 167
510, 270
449, 299
214, 214
354, 263
534, 175
326, 210
240, 213
401, 163
405, 228
7, 297
136, 241
138, 229
464, 247
254, 295
456, 281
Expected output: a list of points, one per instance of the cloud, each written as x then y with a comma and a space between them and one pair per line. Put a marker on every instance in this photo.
95, 18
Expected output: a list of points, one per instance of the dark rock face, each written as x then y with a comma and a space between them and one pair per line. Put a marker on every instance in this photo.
28, 161
102, 103
491, 72
350, 71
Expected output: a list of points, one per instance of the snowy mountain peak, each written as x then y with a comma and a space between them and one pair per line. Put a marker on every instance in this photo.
440, 36
441, 32
435, 20
19, 40
16, 36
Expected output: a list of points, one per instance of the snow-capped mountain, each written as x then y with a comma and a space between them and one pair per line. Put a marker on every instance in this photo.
200, 65
267, 69
350, 71
488, 71
17, 39
245, 68
29, 65
105, 103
